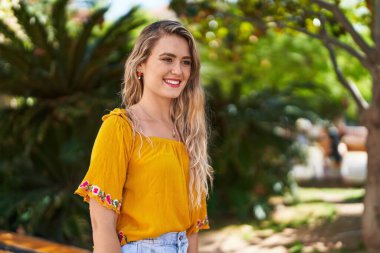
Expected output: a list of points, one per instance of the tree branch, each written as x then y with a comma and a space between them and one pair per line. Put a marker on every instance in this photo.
352, 88
360, 101
343, 20
334, 41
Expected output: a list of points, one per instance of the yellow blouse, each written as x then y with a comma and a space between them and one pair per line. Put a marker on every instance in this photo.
145, 182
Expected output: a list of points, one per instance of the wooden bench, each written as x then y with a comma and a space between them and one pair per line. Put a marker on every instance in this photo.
16, 243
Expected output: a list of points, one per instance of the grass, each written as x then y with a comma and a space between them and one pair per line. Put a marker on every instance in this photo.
298, 215
306, 195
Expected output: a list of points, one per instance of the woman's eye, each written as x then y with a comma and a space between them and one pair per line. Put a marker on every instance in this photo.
167, 59
186, 62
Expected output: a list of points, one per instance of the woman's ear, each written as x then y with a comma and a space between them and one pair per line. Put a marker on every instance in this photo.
140, 68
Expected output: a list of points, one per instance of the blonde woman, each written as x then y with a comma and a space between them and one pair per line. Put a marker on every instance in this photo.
147, 182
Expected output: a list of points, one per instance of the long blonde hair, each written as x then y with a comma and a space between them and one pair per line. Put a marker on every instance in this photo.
187, 110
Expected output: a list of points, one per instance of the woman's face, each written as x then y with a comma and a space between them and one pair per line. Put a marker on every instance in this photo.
167, 70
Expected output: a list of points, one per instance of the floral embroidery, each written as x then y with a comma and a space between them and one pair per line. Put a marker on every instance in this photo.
108, 198
201, 223
84, 184
122, 236
95, 190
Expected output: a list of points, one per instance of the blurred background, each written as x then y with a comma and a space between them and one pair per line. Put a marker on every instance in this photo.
287, 143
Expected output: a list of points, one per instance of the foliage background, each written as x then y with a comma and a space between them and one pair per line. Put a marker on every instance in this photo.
61, 69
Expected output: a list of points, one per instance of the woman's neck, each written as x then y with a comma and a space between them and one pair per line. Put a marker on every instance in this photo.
156, 109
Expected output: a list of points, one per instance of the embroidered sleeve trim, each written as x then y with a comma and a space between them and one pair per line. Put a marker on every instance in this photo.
122, 238
87, 190
202, 224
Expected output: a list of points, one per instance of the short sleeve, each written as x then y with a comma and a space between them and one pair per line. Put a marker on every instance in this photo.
106, 175
199, 219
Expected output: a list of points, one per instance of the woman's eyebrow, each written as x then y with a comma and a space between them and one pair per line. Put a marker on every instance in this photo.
173, 55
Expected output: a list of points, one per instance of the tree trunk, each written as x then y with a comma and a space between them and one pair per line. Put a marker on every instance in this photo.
371, 217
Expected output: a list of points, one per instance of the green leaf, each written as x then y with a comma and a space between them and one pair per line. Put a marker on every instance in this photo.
16, 57
11, 35
116, 37
80, 50
35, 30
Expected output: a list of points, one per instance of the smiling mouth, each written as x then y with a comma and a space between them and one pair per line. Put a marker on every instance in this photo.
172, 83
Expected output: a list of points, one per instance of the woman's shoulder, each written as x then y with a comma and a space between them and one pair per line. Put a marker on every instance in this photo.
117, 116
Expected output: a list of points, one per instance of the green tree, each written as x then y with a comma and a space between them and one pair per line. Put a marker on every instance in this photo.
343, 28
58, 73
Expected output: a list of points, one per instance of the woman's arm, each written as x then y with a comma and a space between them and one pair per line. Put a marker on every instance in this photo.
104, 233
193, 243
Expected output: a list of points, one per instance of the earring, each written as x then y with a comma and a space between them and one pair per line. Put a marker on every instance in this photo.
139, 75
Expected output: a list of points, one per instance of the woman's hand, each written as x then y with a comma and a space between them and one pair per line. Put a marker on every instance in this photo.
104, 233
193, 243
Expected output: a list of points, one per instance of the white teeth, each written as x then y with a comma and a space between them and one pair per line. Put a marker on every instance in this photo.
172, 81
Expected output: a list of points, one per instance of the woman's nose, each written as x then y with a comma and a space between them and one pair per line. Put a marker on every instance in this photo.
177, 68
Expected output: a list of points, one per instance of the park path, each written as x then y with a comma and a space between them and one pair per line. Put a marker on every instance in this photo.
343, 232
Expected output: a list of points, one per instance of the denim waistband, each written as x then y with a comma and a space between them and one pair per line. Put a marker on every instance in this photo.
168, 238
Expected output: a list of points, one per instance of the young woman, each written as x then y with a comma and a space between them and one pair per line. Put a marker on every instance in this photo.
147, 182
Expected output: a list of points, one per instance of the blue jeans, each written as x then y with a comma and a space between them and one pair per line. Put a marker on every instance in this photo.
173, 242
